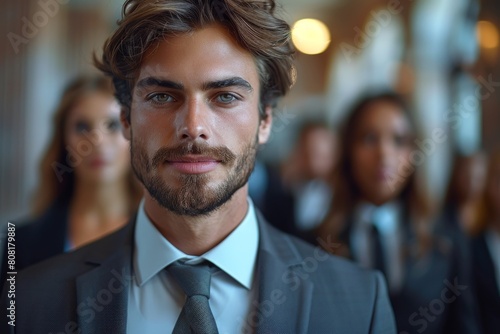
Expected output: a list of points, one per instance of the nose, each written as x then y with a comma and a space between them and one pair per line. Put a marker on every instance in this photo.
100, 138
385, 151
193, 121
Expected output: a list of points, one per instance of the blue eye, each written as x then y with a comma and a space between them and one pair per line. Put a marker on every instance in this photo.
226, 98
161, 98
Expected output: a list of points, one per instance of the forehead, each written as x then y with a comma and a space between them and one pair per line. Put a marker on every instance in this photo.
384, 116
95, 106
206, 54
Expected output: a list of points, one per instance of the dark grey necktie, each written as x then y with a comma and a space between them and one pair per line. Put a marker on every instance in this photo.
378, 250
196, 316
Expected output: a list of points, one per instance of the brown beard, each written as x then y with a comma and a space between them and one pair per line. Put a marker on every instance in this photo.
193, 197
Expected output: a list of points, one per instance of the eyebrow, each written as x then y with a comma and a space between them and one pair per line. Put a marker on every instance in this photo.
157, 82
224, 83
229, 82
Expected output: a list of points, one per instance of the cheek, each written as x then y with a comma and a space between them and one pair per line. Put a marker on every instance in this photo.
362, 164
363, 157
152, 131
118, 150
403, 156
123, 149
72, 140
78, 147
241, 120
115, 147
234, 129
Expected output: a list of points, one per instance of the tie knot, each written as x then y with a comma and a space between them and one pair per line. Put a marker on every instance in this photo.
193, 279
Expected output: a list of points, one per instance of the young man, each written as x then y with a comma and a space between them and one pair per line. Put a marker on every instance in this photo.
197, 81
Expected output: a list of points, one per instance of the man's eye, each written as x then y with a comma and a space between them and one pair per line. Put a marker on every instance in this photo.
226, 98
161, 98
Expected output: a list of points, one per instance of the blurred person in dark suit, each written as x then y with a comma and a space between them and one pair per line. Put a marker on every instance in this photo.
308, 173
486, 252
197, 81
295, 197
86, 187
305, 179
382, 219
272, 197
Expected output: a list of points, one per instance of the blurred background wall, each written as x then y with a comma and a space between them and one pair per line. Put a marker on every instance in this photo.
442, 54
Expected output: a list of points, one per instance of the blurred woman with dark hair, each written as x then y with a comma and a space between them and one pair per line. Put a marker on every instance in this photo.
486, 252
86, 188
381, 218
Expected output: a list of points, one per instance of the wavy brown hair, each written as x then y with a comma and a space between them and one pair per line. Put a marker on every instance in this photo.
253, 24
347, 192
55, 184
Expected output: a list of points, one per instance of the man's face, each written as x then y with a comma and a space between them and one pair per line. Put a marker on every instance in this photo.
194, 125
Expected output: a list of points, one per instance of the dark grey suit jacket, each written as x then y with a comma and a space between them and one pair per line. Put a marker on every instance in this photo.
436, 296
301, 289
486, 286
32, 235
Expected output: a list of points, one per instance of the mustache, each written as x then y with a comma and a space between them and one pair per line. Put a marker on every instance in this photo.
220, 153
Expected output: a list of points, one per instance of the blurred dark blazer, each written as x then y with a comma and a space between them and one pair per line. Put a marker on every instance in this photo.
40, 238
425, 278
275, 201
486, 286
296, 296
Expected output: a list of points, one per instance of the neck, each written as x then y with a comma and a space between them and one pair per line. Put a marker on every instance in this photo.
197, 235
97, 210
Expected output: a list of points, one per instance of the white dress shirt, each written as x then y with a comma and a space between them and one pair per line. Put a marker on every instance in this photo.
493, 243
388, 221
155, 300
312, 203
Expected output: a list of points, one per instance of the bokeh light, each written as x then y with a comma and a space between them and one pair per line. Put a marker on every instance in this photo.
487, 35
310, 36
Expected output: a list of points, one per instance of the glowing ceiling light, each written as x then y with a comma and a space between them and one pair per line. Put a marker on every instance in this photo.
310, 36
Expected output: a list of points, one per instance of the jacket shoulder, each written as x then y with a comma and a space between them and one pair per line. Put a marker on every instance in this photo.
72, 264
338, 287
320, 261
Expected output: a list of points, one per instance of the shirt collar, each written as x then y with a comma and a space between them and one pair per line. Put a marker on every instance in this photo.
385, 217
235, 255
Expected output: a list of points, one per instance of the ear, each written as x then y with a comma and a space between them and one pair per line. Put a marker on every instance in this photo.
265, 126
125, 123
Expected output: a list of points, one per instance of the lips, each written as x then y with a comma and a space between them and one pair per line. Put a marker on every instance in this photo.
384, 174
97, 163
194, 164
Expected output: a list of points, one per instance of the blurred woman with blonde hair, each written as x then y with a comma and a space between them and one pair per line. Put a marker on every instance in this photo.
86, 188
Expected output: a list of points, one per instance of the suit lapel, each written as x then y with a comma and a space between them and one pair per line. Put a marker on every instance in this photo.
102, 292
284, 290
